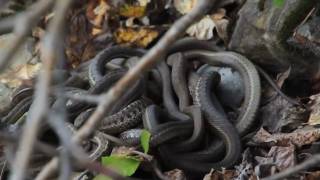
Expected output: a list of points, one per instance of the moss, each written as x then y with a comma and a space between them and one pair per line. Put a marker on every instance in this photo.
293, 19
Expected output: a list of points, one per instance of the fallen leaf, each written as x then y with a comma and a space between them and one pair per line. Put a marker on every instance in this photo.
281, 116
141, 37
224, 174
15, 77
298, 138
313, 175
314, 104
265, 170
184, 6
245, 169
203, 30
281, 77
132, 11
219, 14
96, 11
283, 157
278, 159
144, 2
175, 174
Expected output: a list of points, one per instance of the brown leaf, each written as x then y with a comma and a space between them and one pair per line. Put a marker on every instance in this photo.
314, 104
298, 138
313, 176
283, 157
281, 116
175, 174
281, 77
140, 37
217, 175
96, 11
278, 159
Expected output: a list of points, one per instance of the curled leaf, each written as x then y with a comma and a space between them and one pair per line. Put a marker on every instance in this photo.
298, 138
203, 30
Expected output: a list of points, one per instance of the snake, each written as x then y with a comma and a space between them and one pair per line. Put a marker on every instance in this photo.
97, 66
126, 118
217, 123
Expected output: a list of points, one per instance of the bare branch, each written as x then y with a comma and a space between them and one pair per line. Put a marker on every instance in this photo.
40, 105
23, 25
311, 162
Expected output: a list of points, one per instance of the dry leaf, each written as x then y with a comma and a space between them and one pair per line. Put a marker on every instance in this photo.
313, 176
132, 11
221, 23
281, 157
144, 2
141, 37
298, 138
96, 13
203, 30
184, 6
175, 174
314, 118
15, 77
224, 174
281, 77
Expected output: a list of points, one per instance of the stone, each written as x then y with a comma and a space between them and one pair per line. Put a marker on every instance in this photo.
262, 30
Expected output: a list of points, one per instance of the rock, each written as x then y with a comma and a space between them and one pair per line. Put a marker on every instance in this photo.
262, 30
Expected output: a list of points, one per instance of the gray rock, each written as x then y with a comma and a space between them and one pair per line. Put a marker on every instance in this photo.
262, 30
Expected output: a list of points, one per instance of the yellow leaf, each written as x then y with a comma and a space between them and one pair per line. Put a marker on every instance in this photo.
132, 11
140, 37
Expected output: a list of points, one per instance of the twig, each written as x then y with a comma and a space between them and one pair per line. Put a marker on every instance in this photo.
149, 60
44, 148
65, 167
40, 105
94, 99
311, 162
23, 24
143, 155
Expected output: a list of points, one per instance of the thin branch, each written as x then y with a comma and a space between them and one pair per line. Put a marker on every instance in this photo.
42, 147
149, 60
93, 99
23, 24
40, 105
311, 162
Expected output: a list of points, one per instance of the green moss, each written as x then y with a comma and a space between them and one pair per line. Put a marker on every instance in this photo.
293, 19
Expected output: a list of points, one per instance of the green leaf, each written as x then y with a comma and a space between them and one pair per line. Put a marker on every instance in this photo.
101, 177
125, 165
144, 140
278, 3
